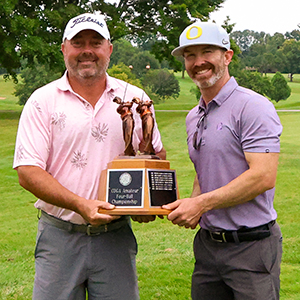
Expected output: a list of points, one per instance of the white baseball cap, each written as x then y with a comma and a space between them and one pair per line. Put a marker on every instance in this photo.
86, 21
202, 33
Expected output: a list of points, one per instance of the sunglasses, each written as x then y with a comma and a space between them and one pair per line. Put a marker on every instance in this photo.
199, 131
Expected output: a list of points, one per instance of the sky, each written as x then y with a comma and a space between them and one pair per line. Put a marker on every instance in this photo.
269, 16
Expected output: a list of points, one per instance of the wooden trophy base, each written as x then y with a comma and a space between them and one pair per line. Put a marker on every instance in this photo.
138, 186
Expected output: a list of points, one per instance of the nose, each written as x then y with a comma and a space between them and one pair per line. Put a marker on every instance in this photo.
199, 60
87, 49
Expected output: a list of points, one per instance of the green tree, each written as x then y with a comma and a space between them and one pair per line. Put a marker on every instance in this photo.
124, 52
33, 30
123, 72
273, 43
141, 62
165, 19
247, 38
33, 77
266, 53
161, 84
254, 81
291, 57
295, 34
194, 90
280, 89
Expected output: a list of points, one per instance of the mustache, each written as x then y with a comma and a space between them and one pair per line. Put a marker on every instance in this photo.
203, 66
87, 56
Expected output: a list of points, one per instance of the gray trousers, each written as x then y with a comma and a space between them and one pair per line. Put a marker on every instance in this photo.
230, 271
71, 265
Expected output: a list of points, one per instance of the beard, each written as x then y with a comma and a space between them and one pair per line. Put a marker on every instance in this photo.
218, 73
97, 70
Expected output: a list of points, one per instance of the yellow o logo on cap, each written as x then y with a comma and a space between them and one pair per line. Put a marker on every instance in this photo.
199, 33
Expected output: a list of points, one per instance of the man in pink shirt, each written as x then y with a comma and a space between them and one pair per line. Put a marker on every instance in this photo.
68, 132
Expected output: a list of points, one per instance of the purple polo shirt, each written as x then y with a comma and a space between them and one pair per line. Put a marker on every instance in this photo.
237, 120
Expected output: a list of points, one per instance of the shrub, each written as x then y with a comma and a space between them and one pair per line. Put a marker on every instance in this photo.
255, 81
123, 72
280, 89
162, 85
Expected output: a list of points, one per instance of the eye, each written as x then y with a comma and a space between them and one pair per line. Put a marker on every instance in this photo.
76, 43
97, 43
189, 56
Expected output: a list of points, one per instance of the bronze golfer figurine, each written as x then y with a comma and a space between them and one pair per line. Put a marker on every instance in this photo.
124, 110
143, 109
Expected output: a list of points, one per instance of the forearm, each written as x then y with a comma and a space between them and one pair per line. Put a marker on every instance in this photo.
260, 177
45, 187
242, 189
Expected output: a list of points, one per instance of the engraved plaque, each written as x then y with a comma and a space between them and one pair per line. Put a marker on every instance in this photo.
162, 187
125, 188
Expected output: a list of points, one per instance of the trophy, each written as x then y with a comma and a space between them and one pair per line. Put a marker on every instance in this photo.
137, 184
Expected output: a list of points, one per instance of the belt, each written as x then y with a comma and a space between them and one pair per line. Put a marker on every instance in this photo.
87, 229
241, 235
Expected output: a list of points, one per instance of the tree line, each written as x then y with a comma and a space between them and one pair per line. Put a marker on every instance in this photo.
269, 54
31, 31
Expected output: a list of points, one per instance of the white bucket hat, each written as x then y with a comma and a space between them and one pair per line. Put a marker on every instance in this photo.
86, 21
202, 33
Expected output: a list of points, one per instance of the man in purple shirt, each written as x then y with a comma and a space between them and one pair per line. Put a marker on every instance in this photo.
233, 141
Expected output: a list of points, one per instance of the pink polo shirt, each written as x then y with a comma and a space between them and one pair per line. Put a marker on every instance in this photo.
60, 132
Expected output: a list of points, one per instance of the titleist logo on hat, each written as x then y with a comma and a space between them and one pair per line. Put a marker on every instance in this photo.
86, 19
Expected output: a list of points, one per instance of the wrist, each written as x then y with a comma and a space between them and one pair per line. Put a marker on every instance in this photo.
204, 202
78, 205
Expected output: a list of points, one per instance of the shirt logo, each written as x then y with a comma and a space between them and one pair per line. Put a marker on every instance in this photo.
188, 33
220, 126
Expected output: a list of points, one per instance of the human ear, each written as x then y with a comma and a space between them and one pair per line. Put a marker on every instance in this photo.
228, 56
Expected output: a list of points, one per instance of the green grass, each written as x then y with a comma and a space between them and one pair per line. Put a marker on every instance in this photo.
8, 101
165, 259
288, 206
